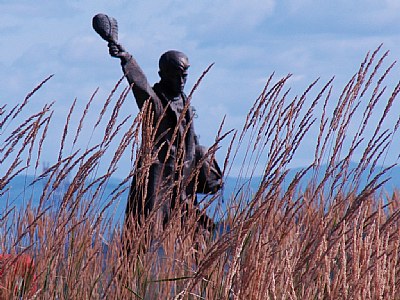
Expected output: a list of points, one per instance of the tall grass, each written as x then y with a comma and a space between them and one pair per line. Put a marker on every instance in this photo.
335, 236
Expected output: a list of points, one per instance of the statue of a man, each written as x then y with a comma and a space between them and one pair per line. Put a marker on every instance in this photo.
176, 154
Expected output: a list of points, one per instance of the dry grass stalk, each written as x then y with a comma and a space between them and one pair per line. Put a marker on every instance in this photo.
334, 237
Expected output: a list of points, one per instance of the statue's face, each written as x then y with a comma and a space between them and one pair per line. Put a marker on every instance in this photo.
175, 78
174, 70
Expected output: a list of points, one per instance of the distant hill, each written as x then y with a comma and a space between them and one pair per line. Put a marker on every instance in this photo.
20, 191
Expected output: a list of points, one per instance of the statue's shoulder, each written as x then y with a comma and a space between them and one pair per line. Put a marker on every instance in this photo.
157, 88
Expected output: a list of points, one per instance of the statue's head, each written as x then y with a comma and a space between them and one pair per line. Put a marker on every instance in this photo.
173, 70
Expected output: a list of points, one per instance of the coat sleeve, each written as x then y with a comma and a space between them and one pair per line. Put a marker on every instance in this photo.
140, 86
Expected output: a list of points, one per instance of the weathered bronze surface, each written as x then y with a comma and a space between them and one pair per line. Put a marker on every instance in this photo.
172, 167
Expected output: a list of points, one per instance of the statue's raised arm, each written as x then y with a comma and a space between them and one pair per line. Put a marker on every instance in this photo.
107, 28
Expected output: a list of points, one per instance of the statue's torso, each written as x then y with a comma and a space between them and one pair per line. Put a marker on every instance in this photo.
173, 128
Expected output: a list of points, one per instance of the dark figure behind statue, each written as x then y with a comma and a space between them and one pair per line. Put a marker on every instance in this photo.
171, 166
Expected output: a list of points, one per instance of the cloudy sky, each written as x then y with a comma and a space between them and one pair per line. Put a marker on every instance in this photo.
247, 41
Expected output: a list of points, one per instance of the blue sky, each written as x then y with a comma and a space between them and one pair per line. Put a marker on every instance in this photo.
247, 41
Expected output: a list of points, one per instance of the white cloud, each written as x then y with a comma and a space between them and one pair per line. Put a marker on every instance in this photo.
366, 17
235, 14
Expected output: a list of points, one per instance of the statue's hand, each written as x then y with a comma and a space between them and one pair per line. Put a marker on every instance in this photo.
116, 50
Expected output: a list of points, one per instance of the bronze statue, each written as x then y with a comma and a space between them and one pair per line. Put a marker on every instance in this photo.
179, 167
